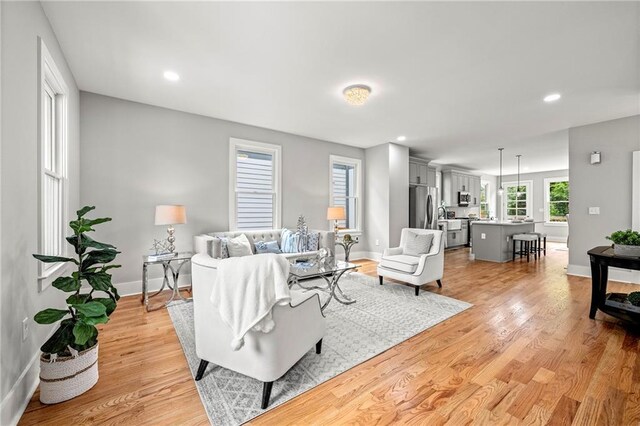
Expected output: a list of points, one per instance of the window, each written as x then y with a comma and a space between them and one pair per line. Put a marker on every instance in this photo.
517, 200
53, 164
346, 187
485, 211
255, 179
556, 200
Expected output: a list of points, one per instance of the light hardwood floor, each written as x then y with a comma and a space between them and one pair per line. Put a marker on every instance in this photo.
525, 353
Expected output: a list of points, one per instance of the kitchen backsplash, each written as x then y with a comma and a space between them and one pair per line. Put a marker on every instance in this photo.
465, 211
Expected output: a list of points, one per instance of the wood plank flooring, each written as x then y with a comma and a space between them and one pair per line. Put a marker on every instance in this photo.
525, 353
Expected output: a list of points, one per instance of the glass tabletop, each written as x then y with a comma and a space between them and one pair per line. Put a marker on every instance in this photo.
159, 258
314, 268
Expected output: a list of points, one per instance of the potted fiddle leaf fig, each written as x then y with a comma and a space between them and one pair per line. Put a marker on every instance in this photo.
626, 243
69, 360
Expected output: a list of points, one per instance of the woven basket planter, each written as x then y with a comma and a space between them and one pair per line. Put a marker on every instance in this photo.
626, 251
67, 377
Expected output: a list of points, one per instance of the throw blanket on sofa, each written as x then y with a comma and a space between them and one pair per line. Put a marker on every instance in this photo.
246, 290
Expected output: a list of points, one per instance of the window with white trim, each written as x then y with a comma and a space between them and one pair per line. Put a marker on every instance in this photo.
255, 185
346, 190
556, 200
517, 200
485, 212
53, 94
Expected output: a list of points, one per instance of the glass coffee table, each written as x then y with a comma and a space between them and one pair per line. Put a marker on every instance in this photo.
330, 272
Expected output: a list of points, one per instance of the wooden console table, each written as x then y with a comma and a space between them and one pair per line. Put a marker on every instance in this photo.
602, 258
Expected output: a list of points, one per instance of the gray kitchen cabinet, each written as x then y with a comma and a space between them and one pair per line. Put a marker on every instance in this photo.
454, 182
422, 173
431, 176
413, 173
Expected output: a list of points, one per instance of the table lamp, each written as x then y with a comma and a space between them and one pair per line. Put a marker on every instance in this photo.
336, 214
170, 215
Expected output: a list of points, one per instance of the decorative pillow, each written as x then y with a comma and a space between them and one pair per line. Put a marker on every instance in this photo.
239, 246
417, 244
313, 241
220, 250
289, 241
267, 247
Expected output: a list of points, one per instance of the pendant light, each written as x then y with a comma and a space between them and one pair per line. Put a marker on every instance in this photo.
500, 188
518, 187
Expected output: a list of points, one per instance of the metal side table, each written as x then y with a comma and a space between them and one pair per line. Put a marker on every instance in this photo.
171, 267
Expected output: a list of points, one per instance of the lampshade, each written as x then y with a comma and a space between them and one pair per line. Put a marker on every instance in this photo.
336, 213
170, 215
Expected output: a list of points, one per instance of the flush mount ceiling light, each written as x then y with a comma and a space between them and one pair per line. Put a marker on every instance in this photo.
357, 94
171, 76
552, 97
401, 138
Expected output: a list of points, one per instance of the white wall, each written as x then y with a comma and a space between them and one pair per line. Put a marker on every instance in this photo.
607, 185
377, 197
22, 23
398, 192
387, 208
554, 232
135, 156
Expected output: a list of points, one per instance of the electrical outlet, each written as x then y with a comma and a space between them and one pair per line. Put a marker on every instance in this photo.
377, 242
594, 210
483, 236
25, 328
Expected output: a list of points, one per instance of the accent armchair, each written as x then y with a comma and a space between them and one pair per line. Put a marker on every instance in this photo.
265, 356
414, 270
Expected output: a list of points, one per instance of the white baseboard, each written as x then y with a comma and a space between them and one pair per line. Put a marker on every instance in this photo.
135, 287
615, 274
16, 401
362, 255
557, 239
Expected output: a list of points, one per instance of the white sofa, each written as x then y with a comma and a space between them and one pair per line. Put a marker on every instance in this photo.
414, 270
265, 356
203, 243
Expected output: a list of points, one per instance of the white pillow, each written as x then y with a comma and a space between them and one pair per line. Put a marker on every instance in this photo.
239, 246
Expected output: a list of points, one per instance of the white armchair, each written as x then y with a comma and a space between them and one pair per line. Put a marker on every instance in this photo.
265, 356
414, 270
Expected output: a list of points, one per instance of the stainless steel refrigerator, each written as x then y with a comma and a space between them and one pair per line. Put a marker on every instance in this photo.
423, 207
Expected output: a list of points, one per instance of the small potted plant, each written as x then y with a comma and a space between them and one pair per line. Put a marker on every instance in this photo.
69, 360
626, 243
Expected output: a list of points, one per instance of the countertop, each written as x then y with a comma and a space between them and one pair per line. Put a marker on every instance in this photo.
502, 222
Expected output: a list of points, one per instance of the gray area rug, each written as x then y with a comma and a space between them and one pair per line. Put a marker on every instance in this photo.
382, 317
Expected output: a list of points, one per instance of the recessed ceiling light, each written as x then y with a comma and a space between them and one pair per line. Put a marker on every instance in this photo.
357, 94
401, 138
171, 76
552, 97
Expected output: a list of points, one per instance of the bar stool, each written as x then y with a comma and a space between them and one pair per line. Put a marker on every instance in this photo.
542, 237
530, 244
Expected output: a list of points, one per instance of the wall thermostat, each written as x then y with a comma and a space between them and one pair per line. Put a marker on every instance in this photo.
596, 157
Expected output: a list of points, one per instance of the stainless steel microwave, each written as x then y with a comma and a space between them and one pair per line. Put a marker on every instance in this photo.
464, 198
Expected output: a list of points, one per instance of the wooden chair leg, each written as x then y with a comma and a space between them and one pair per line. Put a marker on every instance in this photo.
201, 369
514, 250
545, 246
417, 290
440, 283
319, 346
266, 394
526, 247
380, 277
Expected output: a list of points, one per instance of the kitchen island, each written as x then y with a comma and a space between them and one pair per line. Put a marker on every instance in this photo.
493, 240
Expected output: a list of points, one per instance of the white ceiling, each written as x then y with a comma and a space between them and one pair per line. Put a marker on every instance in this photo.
458, 79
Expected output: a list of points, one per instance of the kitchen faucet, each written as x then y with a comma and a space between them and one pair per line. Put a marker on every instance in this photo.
444, 212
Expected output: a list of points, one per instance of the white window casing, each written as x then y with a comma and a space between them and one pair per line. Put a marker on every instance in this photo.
345, 189
523, 205
548, 202
255, 185
53, 199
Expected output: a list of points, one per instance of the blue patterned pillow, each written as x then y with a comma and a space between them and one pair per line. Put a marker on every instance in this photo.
289, 241
224, 251
267, 247
313, 241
